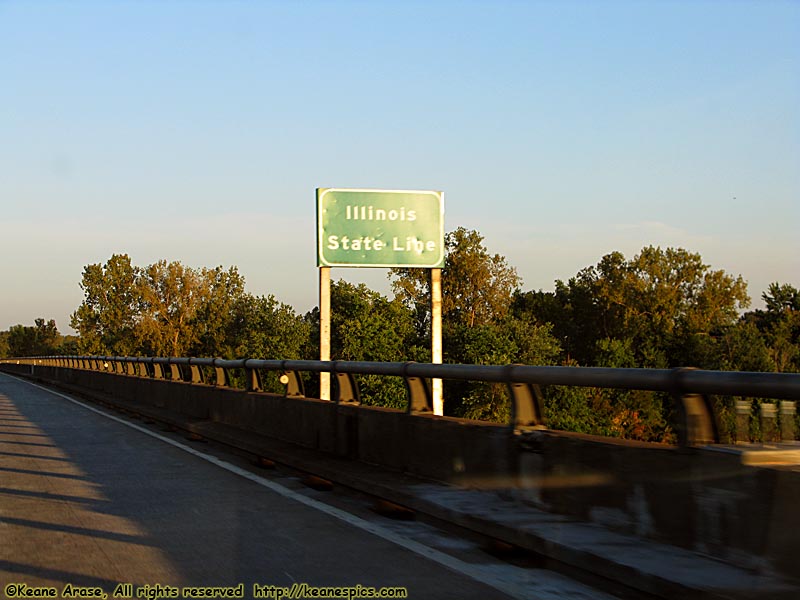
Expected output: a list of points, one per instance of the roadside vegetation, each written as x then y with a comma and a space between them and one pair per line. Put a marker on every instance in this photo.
662, 308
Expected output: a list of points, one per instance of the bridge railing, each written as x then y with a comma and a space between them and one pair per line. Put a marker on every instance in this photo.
690, 388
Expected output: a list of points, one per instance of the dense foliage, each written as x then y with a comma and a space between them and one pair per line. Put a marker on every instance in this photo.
478, 326
42, 338
662, 308
658, 309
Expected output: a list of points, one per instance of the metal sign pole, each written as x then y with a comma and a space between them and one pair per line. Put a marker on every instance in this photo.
436, 338
325, 329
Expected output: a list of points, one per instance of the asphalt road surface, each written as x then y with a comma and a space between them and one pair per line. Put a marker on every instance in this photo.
92, 501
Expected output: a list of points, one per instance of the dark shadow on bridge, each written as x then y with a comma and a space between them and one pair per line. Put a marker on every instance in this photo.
24, 572
96, 503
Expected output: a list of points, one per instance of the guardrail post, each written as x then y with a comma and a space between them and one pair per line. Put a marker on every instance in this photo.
158, 371
175, 372
696, 424
743, 407
195, 375
346, 388
420, 397
527, 409
788, 412
142, 369
769, 422
221, 377
253, 379
527, 404
294, 384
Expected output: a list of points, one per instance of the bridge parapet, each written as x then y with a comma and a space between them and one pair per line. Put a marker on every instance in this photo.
696, 423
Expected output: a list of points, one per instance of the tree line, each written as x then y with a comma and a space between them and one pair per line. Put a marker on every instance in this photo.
662, 308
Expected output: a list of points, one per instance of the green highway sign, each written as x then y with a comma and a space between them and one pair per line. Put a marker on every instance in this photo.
380, 228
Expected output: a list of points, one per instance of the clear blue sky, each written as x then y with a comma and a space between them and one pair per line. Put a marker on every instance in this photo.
198, 131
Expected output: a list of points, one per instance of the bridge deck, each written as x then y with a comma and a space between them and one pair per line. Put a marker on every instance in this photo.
88, 501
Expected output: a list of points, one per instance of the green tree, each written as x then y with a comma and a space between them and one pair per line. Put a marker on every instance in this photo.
742, 347
163, 309
662, 308
110, 313
170, 297
40, 340
265, 328
779, 323
216, 330
781, 298
481, 324
366, 326
4, 348
509, 340
261, 327
663, 305
783, 329
477, 286
68, 345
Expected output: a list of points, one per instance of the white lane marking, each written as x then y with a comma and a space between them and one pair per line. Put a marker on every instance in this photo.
452, 563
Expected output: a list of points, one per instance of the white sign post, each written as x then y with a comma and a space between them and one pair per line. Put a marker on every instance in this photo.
324, 329
380, 228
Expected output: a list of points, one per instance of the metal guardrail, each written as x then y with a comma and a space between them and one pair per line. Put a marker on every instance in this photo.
689, 387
